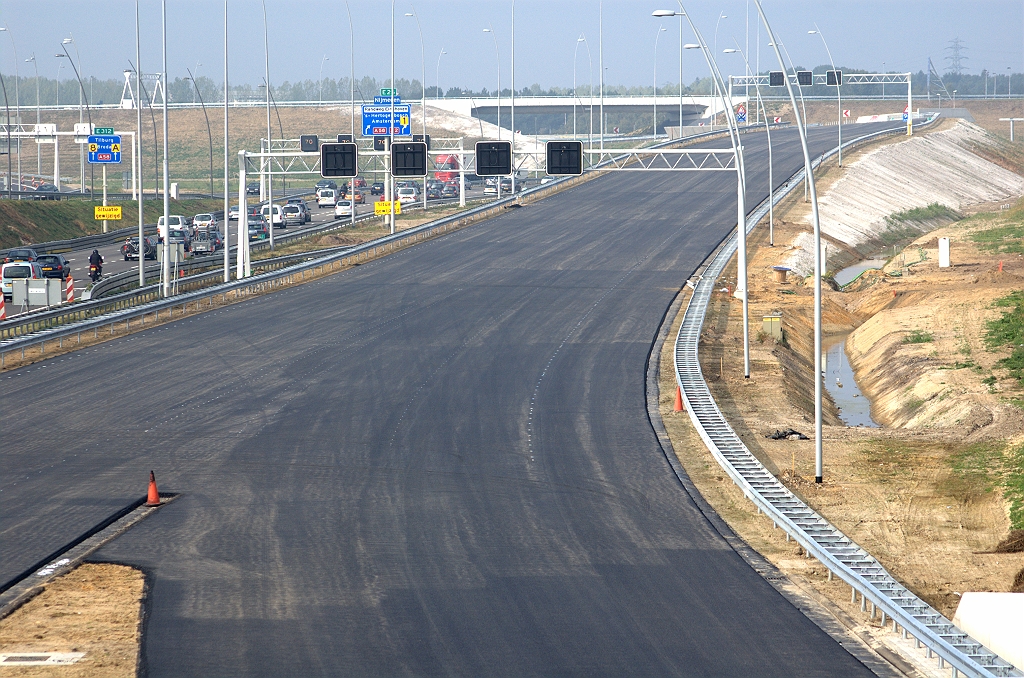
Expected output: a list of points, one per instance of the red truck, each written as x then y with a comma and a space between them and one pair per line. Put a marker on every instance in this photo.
447, 168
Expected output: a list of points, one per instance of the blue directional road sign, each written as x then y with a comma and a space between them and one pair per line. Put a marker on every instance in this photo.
376, 121
104, 149
386, 101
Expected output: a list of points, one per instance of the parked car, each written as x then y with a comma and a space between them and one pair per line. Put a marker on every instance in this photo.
291, 215
21, 254
130, 248
307, 215
233, 213
377, 188
205, 220
17, 270
277, 219
325, 183
252, 189
357, 198
326, 197
343, 208
54, 266
258, 228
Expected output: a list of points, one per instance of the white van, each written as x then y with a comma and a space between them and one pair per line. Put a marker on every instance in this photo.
177, 221
326, 197
265, 211
20, 270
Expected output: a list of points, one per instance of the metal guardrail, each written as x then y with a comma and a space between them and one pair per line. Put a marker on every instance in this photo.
840, 554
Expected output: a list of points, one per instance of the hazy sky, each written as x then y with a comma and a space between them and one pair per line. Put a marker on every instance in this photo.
902, 34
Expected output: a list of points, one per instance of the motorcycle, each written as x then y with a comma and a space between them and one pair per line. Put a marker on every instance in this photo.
95, 271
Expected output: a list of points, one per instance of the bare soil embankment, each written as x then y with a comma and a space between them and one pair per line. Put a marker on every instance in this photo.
930, 494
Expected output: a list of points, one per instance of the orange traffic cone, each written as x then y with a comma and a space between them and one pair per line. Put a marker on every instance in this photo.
679, 400
153, 499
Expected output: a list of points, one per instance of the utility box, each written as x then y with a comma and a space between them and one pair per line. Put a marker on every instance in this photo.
37, 292
174, 190
177, 252
772, 326
944, 253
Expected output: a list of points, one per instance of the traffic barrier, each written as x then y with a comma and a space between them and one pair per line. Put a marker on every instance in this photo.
3, 308
153, 496
70, 291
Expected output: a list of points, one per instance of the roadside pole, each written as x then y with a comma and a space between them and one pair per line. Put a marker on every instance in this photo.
105, 198
242, 253
462, 173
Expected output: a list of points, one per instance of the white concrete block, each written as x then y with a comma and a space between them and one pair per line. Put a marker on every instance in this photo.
996, 620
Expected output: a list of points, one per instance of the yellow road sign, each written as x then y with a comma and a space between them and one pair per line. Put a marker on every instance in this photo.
110, 212
115, 148
93, 148
382, 207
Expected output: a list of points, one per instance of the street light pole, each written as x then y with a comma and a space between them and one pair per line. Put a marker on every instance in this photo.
600, 67
818, 464
138, 146
497, 59
575, 53
721, 15
437, 75
209, 132
81, 95
661, 29
268, 161
242, 219
167, 186
17, 102
192, 77
39, 153
320, 80
737, 145
839, 95
512, 78
351, 83
423, 94
768, 131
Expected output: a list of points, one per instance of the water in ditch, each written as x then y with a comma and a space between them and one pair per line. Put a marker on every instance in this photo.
854, 406
850, 273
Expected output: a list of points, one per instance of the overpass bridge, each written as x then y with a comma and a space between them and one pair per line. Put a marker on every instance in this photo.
695, 109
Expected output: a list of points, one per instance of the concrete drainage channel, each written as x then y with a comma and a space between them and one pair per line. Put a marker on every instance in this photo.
842, 556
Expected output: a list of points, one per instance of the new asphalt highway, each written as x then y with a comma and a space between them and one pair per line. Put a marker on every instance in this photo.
436, 463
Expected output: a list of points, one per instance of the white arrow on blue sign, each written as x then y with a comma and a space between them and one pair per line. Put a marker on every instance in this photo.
104, 149
376, 121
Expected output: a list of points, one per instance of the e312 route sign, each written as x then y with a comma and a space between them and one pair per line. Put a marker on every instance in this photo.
104, 149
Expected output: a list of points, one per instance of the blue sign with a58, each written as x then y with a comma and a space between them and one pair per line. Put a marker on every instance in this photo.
104, 149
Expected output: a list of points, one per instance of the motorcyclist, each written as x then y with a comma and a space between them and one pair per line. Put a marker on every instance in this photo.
96, 259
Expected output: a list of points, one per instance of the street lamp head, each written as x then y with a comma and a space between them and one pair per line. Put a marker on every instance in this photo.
664, 13
812, 32
408, 14
691, 45
67, 41
61, 56
723, 16
488, 30
30, 59
729, 50
663, 29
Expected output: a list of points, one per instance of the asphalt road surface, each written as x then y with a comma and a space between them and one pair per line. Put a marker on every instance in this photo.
436, 463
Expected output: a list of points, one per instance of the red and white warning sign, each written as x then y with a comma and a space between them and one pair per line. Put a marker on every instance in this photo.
777, 119
846, 112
